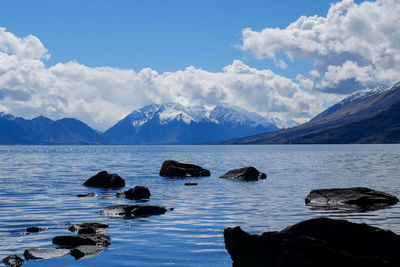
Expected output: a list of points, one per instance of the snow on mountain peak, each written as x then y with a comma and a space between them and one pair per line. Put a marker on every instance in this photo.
364, 93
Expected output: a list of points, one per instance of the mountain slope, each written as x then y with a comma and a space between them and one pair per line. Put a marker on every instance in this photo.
171, 123
367, 116
42, 130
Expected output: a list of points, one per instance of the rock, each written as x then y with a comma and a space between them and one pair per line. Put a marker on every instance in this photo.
44, 253
315, 242
131, 211
136, 193
174, 169
245, 174
34, 229
86, 251
105, 180
13, 261
360, 197
190, 183
91, 194
73, 241
98, 227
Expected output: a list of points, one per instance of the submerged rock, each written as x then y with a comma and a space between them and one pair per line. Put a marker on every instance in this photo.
315, 242
34, 229
245, 174
73, 241
131, 211
91, 194
44, 253
86, 251
362, 197
105, 180
136, 193
190, 183
13, 261
174, 169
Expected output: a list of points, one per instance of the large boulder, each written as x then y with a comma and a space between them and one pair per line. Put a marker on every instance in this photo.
86, 251
73, 241
136, 193
13, 261
245, 174
175, 169
132, 211
44, 253
358, 197
105, 180
315, 242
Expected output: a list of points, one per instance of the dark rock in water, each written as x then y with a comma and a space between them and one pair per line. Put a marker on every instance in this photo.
87, 231
174, 169
86, 195
190, 183
13, 261
136, 193
86, 251
44, 253
73, 241
34, 229
362, 197
105, 180
92, 225
131, 211
245, 174
315, 242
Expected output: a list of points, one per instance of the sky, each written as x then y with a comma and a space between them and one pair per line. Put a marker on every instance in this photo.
99, 60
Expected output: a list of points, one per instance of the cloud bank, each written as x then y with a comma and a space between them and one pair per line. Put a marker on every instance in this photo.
353, 47
101, 96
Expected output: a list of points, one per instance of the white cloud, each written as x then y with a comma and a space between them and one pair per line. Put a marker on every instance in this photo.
354, 46
103, 95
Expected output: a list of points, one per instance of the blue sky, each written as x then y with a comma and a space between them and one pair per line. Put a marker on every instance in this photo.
99, 60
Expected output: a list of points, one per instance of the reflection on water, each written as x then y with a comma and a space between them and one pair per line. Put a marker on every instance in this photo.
40, 183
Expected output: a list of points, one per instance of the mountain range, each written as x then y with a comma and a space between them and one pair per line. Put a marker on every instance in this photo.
367, 116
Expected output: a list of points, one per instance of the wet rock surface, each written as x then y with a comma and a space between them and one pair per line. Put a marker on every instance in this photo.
190, 184
175, 169
315, 242
132, 211
98, 227
245, 174
13, 261
73, 241
105, 180
34, 229
136, 193
86, 195
43, 253
358, 197
86, 251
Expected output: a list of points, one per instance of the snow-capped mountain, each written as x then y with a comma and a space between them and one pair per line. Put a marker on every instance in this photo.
171, 123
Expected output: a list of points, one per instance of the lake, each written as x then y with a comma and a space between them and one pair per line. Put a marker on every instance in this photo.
39, 185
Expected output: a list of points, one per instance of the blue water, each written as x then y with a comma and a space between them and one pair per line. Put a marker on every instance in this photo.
39, 186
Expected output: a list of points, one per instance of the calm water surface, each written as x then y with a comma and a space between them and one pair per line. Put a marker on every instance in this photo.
39, 186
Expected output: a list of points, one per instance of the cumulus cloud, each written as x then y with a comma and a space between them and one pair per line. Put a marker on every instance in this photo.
353, 47
101, 96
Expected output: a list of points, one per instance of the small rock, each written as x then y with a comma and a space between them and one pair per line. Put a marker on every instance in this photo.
245, 174
190, 183
34, 229
86, 195
94, 225
174, 169
105, 180
131, 211
136, 193
359, 197
86, 251
43, 253
13, 261
73, 241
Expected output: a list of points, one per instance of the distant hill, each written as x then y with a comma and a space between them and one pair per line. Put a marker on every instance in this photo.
367, 116
171, 123
42, 130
